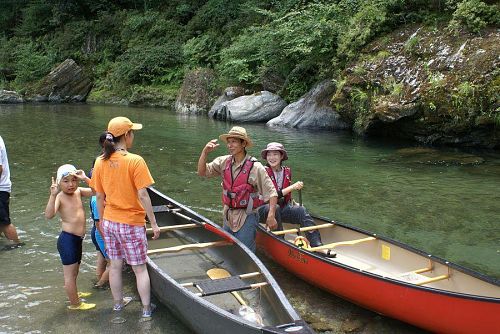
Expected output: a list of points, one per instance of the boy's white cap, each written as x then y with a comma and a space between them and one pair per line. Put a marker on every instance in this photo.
64, 171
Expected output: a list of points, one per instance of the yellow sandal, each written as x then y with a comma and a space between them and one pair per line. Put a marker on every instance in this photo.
82, 306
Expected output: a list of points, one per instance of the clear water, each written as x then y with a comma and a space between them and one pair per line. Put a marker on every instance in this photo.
430, 201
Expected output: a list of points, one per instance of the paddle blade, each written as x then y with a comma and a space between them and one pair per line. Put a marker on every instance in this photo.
248, 313
216, 273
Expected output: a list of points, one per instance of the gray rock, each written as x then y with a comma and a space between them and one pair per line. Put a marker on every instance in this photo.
258, 107
8, 96
427, 85
65, 83
313, 110
197, 92
229, 94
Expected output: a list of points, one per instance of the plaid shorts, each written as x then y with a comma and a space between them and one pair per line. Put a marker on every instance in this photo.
125, 241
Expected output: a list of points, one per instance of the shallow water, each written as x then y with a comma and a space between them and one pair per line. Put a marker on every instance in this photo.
437, 201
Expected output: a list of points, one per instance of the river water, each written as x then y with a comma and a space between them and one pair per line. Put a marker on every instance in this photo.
445, 202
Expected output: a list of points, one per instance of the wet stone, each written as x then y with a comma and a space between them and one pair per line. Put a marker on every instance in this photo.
352, 325
430, 156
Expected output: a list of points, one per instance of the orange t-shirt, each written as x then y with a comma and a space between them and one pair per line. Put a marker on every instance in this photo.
119, 179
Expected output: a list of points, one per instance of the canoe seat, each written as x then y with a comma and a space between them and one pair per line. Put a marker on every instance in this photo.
213, 287
210, 287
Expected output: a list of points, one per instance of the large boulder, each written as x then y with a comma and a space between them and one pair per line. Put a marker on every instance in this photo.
428, 85
197, 92
9, 96
258, 107
65, 83
313, 110
230, 93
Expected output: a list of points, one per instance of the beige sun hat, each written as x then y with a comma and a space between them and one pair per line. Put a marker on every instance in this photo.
237, 132
274, 147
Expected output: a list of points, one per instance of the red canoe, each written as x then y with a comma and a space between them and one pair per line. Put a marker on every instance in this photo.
389, 277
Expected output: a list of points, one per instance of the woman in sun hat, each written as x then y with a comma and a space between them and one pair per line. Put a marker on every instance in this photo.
245, 183
287, 210
121, 178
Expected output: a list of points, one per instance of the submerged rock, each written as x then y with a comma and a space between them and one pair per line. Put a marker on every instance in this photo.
430, 156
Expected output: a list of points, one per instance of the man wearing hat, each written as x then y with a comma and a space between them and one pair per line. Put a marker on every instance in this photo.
245, 184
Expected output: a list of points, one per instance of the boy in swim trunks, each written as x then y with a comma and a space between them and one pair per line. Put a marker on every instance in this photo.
66, 199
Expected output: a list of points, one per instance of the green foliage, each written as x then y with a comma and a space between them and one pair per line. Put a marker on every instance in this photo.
150, 27
142, 64
393, 88
202, 51
31, 62
464, 99
475, 15
411, 45
300, 41
287, 45
359, 100
36, 20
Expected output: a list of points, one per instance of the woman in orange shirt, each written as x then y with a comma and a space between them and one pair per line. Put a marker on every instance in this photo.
121, 179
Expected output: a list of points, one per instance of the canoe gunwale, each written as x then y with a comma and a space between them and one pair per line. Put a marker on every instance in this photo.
451, 265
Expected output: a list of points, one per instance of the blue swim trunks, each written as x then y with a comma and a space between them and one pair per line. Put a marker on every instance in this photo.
93, 208
70, 248
98, 241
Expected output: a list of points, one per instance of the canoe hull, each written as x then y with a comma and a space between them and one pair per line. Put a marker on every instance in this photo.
423, 307
177, 265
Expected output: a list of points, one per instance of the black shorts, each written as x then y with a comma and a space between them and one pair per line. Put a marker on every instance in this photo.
4, 208
70, 248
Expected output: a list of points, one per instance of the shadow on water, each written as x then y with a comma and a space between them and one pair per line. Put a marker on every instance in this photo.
443, 201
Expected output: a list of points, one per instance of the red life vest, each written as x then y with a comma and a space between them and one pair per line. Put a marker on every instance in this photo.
287, 180
238, 193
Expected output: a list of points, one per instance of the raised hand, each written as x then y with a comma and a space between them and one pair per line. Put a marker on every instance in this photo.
54, 189
211, 146
80, 174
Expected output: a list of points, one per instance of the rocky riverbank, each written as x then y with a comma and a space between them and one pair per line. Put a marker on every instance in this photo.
419, 83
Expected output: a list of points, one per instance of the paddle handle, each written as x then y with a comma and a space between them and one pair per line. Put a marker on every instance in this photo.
300, 197
239, 298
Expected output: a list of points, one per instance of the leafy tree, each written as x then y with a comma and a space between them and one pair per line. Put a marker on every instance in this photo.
31, 62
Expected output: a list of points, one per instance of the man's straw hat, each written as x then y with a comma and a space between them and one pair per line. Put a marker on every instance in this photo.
237, 132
